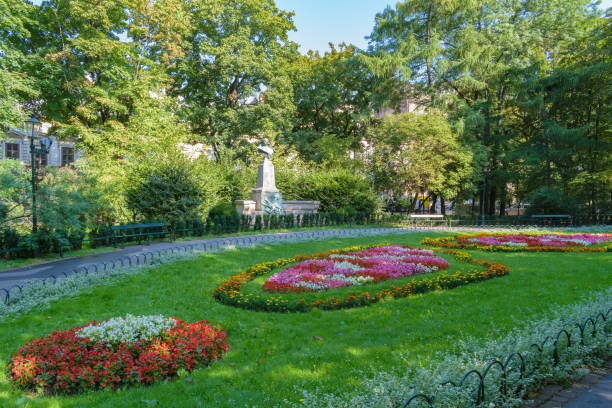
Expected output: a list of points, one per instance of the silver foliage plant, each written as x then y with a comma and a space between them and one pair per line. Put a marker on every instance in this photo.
392, 388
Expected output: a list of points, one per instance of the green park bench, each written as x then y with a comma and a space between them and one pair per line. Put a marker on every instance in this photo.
121, 232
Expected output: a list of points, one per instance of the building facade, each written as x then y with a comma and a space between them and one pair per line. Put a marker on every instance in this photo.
16, 145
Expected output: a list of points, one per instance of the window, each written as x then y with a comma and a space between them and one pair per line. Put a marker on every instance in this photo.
41, 159
67, 156
11, 150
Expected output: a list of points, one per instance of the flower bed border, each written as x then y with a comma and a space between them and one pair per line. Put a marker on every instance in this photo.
228, 293
451, 243
62, 362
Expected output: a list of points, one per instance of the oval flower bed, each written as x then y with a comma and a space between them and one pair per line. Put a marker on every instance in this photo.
231, 291
357, 268
116, 353
526, 242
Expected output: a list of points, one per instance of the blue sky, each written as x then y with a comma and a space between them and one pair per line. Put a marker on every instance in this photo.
319, 22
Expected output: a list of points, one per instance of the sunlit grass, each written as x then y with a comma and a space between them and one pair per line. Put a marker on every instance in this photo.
272, 356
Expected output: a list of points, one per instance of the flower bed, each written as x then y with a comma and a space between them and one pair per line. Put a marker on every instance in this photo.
526, 242
230, 292
355, 268
116, 353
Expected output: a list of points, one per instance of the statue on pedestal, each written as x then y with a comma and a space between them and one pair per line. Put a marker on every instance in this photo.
266, 196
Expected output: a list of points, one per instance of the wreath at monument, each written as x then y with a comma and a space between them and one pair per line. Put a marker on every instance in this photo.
557, 242
351, 277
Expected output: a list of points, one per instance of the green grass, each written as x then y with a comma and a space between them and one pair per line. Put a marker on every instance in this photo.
272, 354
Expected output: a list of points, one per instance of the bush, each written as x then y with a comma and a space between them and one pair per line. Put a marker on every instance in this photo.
223, 208
336, 189
166, 190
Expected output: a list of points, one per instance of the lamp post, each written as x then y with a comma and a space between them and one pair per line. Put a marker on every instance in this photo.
484, 192
32, 126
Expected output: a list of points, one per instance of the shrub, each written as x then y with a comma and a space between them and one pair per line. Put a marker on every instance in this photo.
167, 190
336, 190
223, 208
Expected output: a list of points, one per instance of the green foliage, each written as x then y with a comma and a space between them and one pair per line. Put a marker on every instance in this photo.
499, 71
417, 153
68, 205
333, 105
15, 193
549, 201
225, 209
234, 73
336, 189
168, 190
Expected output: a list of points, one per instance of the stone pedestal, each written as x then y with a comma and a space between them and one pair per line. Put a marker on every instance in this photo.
267, 200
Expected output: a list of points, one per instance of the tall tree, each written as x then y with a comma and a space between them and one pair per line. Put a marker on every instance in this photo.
467, 53
418, 153
332, 94
234, 76
15, 86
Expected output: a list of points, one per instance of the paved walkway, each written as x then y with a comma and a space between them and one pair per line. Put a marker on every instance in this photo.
598, 396
143, 254
594, 390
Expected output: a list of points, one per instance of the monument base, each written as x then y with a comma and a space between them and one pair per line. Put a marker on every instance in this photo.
249, 207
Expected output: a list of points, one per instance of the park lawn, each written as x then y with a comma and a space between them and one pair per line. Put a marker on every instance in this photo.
6, 264
272, 356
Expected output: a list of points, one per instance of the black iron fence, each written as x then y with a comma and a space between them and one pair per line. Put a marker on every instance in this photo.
517, 365
14, 246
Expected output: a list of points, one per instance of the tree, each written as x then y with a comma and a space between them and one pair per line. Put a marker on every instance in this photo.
16, 88
567, 143
333, 104
234, 76
417, 153
470, 56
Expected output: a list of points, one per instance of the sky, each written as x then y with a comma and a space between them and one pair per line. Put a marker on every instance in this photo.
320, 22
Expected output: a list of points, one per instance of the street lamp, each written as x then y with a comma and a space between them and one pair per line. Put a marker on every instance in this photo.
32, 126
483, 205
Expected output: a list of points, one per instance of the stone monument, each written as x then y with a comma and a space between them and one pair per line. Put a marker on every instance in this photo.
266, 199
265, 194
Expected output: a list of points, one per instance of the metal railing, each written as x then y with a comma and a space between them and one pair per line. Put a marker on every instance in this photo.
519, 363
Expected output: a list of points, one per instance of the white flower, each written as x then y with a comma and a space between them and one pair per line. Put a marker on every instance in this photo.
128, 329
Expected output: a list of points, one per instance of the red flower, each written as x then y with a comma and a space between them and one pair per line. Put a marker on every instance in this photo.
62, 362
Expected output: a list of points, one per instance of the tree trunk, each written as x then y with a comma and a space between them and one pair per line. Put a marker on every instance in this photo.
502, 202
492, 199
442, 206
432, 206
413, 203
